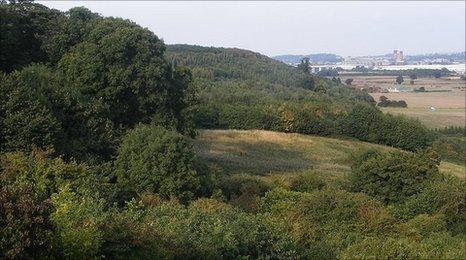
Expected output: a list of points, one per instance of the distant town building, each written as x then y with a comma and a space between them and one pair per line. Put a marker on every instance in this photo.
398, 57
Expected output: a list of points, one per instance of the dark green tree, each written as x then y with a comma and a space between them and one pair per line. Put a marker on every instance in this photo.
120, 67
153, 159
399, 79
27, 108
24, 26
305, 65
396, 176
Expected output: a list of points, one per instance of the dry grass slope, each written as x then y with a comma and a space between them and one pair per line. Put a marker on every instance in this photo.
274, 155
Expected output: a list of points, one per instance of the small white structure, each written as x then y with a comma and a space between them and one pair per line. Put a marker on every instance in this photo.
399, 88
432, 109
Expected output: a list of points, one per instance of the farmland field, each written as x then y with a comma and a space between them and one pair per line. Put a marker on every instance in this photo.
429, 83
449, 105
273, 155
439, 118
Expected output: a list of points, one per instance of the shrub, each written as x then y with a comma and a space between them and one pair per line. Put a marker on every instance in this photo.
405, 133
445, 197
328, 220
395, 176
25, 230
26, 183
208, 229
157, 160
427, 224
244, 191
451, 148
307, 183
78, 220
437, 246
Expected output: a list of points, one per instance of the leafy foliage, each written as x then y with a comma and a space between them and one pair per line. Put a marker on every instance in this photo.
105, 75
156, 160
24, 26
395, 177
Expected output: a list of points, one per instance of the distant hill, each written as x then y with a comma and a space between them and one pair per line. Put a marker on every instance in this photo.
314, 58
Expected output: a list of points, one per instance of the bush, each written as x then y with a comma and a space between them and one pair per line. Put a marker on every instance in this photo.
208, 229
26, 184
405, 133
157, 160
451, 149
244, 191
307, 183
437, 246
328, 220
445, 197
78, 220
395, 176
25, 230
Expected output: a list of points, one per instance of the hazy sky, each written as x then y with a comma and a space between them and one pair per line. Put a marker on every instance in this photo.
273, 28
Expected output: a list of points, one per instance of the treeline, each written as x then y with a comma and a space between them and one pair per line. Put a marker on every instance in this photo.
385, 102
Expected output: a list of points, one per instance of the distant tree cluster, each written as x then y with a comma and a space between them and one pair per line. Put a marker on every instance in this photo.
349, 81
385, 102
328, 72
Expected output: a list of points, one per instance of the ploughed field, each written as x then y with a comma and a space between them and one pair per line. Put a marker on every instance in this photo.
276, 156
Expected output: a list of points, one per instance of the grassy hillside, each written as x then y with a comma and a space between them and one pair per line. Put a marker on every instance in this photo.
274, 155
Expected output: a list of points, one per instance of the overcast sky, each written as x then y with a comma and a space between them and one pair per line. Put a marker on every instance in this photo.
273, 28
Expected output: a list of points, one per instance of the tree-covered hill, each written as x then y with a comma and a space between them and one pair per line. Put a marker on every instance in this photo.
224, 67
240, 89
236, 64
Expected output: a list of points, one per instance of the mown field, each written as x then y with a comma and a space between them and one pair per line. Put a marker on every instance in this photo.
277, 156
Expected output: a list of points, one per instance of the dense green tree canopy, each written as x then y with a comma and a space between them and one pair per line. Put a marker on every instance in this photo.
100, 77
24, 27
153, 159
